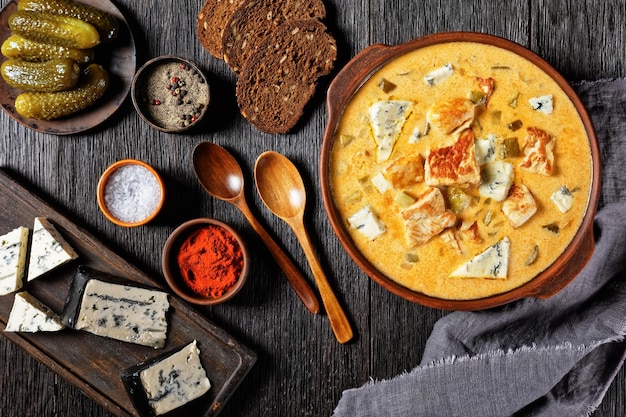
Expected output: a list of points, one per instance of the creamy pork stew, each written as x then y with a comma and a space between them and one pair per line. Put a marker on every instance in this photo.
461, 170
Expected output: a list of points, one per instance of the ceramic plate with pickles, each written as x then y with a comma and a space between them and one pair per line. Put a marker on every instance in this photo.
117, 57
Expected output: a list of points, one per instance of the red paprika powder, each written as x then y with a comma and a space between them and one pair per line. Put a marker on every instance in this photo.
210, 261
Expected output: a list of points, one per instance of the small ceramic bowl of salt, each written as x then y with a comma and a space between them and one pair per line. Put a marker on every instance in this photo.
130, 193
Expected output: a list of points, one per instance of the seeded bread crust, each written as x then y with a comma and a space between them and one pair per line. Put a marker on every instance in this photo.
212, 19
280, 76
253, 20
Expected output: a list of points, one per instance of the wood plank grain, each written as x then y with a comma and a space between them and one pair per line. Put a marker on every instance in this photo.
583, 45
301, 370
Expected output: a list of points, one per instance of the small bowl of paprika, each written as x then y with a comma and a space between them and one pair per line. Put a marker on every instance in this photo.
205, 261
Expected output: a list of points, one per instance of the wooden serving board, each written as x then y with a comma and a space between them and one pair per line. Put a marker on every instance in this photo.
92, 363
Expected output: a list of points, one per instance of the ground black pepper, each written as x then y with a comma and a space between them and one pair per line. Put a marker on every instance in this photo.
175, 95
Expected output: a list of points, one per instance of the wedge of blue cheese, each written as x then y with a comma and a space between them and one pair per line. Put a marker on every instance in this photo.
563, 199
367, 223
99, 305
28, 314
175, 380
387, 117
486, 149
493, 262
48, 250
13, 248
496, 181
439, 75
542, 103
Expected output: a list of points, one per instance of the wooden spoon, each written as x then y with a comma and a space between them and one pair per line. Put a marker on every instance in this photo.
221, 176
282, 190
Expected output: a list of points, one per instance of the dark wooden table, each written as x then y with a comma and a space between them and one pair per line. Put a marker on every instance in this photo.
301, 369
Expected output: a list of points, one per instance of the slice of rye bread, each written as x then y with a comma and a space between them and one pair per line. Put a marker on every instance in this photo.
280, 76
212, 19
253, 20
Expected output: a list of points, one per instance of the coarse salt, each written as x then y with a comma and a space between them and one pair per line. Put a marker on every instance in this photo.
132, 193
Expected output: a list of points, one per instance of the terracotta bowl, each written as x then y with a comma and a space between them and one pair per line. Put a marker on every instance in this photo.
109, 213
544, 285
172, 272
185, 102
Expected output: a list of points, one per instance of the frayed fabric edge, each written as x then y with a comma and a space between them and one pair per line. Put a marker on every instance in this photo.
513, 351
590, 410
451, 360
594, 407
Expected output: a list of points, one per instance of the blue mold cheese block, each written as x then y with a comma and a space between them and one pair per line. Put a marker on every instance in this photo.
13, 248
105, 305
169, 382
48, 249
28, 314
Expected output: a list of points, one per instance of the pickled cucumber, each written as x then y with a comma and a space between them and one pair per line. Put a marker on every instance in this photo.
47, 106
106, 24
17, 47
55, 29
50, 76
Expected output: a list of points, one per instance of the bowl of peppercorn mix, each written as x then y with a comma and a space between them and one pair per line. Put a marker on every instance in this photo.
170, 93
205, 261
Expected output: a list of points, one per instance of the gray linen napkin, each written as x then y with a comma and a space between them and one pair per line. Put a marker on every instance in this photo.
554, 357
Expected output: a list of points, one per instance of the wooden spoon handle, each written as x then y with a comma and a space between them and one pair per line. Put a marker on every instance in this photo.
295, 278
337, 317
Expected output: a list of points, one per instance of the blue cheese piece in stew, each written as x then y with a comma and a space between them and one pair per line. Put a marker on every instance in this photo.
387, 118
493, 262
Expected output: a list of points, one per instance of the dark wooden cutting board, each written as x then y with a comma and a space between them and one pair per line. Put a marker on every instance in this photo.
92, 363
